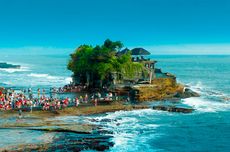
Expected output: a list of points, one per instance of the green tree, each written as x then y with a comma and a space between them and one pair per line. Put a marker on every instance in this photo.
100, 61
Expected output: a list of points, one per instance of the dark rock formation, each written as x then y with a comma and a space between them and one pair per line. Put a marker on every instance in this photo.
68, 141
7, 66
188, 93
173, 109
75, 142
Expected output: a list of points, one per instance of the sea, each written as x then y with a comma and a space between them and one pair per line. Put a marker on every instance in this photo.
206, 129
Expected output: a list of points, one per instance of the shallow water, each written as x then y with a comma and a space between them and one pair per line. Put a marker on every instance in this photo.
206, 129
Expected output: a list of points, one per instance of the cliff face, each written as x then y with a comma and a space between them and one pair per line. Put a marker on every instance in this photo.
159, 89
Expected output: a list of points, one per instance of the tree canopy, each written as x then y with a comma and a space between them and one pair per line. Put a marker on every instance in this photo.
102, 60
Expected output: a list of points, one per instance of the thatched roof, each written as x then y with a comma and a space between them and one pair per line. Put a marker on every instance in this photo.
135, 51
126, 50
139, 51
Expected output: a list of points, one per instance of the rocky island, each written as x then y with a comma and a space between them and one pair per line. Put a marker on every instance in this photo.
8, 66
130, 73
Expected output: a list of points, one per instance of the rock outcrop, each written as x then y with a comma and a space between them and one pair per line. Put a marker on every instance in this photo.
7, 66
160, 89
173, 109
186, 94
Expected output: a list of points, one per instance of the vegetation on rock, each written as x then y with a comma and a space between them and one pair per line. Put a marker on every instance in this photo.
98, 63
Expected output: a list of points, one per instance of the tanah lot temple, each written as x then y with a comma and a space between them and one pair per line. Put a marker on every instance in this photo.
142, 56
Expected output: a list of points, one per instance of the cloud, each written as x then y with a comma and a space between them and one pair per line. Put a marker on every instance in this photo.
189, 49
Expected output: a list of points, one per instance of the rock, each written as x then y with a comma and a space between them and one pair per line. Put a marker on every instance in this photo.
226, 99
103, 120
173, 109
188, 93
7, 66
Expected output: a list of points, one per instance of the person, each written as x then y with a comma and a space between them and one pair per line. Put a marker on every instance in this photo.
116, 97
86, 98
24, 91
128, 99
20, 113
47, 105
59, 104
43, 92
81, 99
95, 102
51, 93
38, 92
30, 93
65, 102
110, 96
99, 95
77, 102
31, 106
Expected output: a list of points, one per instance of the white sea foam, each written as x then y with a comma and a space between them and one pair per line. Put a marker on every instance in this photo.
128, 128
206, 105
12, 70
68, 80
197, 87
47, 76
47, 79
7, 82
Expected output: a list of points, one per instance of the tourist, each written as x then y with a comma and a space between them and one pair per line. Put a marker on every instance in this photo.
95, 102
81, 99
31, 105
43, 92
20, 113
38, 91
98, 95
77, 102
65, 103
110, 96
86, 98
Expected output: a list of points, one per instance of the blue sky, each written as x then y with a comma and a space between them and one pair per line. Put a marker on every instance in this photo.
162, 26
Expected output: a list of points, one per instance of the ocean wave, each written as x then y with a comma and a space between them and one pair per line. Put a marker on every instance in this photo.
206, 105
197, 87
68, 80
208, 92
47, 79
11, 70
129, 128
125, 119
47, 76
7, 83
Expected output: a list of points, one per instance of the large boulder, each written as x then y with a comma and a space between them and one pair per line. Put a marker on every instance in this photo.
188, 93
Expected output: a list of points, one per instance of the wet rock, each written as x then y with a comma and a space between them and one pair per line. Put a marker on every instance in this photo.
74, 142
173, 109
64, 141
103, 120
188, 93
102, 131
7, 66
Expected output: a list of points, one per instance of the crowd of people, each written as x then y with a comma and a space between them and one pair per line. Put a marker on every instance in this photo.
71, 88
27, 99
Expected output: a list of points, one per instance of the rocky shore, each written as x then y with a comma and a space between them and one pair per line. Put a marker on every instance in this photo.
77, 137
69, 136
160, 89
75, 111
